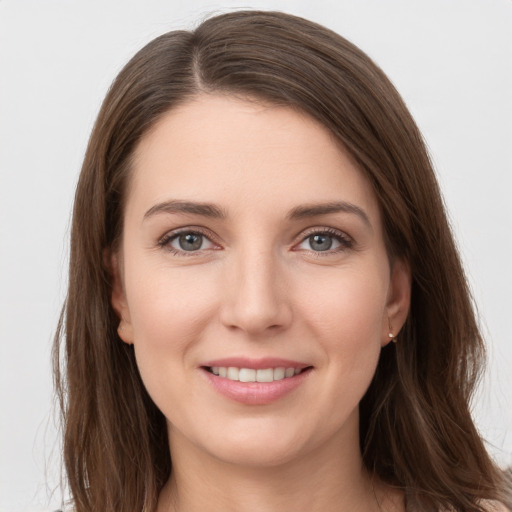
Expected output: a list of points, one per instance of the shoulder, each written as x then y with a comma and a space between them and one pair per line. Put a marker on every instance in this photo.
489, 506
494, 506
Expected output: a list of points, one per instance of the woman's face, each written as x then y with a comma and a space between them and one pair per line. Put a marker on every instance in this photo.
251, 241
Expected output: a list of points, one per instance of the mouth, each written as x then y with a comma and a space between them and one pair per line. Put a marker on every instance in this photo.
234, 373
256, 381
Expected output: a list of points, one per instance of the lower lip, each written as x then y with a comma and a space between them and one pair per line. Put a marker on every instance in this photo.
256, 393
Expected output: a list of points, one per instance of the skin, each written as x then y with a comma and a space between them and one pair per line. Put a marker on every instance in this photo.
257, 287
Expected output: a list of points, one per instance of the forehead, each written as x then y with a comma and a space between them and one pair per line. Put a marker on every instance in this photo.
246, 155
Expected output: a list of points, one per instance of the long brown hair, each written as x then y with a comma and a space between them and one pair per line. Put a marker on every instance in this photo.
416, 431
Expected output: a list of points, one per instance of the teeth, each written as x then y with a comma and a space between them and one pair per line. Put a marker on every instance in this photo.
252, 375
247, 375
279, 373
233, 373
265, 375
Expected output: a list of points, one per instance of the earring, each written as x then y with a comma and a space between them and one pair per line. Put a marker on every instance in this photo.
391, 336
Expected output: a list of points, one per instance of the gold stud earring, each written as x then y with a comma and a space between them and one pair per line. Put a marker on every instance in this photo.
391, 336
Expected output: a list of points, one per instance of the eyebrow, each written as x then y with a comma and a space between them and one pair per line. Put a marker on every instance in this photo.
176, 206
314, 210
299, 212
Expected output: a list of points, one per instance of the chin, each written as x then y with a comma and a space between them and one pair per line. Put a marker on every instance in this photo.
257, 455
251, 443
268, 444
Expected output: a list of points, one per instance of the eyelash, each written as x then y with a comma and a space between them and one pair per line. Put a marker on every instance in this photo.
344, 240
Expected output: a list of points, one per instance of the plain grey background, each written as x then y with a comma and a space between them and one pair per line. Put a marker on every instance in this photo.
450, 59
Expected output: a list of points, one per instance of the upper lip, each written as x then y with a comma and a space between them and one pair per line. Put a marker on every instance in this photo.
256, 364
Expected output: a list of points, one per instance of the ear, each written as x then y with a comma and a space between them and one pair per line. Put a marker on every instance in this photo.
118, 297
398, 302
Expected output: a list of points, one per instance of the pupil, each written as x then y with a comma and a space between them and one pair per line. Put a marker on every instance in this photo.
190, 242
320, 242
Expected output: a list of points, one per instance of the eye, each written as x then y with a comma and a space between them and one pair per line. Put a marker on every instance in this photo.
321, 242
186, 242
326, 240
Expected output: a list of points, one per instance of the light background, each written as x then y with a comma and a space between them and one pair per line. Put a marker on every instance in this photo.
450, 59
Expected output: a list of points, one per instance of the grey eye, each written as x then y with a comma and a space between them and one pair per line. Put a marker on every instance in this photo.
190, 241
185, 242
320, 242
325, 241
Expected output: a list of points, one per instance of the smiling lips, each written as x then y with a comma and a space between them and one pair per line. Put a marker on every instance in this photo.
255, 382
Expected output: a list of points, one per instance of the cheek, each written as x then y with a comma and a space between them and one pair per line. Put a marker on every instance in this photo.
170, 308
347, 306
169, 313
345, 316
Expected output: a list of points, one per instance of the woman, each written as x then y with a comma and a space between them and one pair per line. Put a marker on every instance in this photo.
266, 309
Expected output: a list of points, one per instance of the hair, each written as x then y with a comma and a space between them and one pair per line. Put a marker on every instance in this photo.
416, 431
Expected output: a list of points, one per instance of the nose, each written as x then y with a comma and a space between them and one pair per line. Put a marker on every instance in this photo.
255, 298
